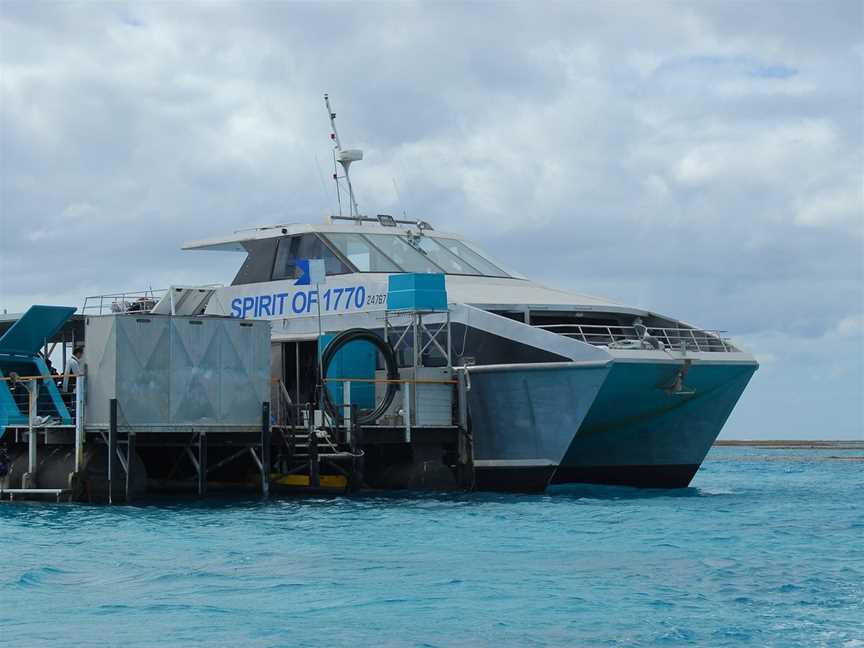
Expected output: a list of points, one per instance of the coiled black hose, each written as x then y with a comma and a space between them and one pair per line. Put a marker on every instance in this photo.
386, 350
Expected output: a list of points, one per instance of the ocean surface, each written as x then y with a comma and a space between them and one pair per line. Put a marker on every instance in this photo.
766, 548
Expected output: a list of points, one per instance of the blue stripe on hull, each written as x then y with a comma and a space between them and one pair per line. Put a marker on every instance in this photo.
636, 432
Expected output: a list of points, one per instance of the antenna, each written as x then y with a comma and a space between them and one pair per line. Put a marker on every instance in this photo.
321, 180
344, 157
399, 199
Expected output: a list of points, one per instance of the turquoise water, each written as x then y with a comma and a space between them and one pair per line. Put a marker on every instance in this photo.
766, 548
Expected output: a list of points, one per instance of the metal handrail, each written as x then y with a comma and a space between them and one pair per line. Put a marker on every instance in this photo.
386, 381
670, 337
136, 301
28, 402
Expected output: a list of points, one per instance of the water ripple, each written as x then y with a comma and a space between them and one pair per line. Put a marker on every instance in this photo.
758, 552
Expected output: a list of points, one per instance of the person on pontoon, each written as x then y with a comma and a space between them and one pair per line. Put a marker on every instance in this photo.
74, 368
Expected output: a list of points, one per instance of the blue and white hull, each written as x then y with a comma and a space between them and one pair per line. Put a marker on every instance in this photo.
643, 430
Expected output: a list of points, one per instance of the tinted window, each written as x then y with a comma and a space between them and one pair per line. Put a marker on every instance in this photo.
258, 264
462, 251
306, 246
365, 257
405, 256
449, 262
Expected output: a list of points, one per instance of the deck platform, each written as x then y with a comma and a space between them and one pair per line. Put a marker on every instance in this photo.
29, 493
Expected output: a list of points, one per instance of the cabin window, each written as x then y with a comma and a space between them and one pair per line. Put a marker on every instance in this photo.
404, 255
449, 262
462, 251
362, 254
258, 264
394, 253
306, 246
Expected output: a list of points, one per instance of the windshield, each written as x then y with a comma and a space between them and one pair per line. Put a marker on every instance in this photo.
449, 262
485, 267
363, 255
307, 246
404, 255
423, 254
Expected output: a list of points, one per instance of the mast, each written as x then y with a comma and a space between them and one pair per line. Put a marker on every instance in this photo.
344, 157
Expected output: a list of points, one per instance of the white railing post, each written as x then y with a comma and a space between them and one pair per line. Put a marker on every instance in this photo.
695, 341
406, 409
346, 399
33, 393
79, 422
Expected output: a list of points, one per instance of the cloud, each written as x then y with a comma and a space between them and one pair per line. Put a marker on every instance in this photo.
839, 205
805, 387
851, 326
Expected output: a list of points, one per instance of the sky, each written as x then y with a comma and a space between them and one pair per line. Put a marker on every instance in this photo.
701, 160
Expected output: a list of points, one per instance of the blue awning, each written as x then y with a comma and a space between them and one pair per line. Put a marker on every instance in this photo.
38, 324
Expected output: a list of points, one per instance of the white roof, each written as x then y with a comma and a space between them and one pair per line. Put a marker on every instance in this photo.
232, 242
495, 293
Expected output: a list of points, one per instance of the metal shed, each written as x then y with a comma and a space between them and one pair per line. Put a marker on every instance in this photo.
173, 372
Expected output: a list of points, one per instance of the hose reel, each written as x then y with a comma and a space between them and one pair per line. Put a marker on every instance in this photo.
383, 347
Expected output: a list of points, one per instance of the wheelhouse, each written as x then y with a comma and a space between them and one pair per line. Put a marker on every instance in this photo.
346, 252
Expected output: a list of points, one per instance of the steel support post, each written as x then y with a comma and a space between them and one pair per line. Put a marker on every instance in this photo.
355, 483
416, 319
265, 449
33, 394
406, 409
130, 454
29, 479
314, 478
462, 398
202, 463
349, 414
112, 446
464, 445
353, 439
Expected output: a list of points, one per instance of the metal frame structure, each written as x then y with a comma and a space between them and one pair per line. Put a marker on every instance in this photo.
422, 336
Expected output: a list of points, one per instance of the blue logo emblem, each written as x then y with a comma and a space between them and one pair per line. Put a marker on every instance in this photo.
304, 279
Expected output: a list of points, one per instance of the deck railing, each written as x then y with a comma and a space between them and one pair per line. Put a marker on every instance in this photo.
33, 400
690, 339
141, 301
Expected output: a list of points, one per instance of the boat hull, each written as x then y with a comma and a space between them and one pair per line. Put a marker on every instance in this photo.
641, 431
523, 419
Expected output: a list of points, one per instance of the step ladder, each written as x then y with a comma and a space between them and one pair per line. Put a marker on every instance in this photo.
302, 455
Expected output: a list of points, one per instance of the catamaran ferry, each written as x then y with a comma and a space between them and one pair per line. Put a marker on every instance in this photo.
564, 387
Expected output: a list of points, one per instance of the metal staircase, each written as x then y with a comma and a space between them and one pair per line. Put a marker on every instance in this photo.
311, 451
